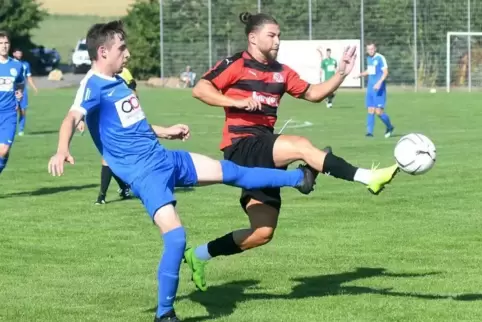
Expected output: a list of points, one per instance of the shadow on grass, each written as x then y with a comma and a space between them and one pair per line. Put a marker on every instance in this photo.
222, 300
47, 191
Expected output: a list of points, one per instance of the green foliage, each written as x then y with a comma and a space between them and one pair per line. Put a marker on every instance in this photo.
18, 18
389, 23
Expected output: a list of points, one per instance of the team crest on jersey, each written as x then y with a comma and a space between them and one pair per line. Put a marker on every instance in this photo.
129, 110
278, 78
13, 72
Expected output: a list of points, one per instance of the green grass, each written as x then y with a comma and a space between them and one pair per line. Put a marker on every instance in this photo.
340, 254
63, 31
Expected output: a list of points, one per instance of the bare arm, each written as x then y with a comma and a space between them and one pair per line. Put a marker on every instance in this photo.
31, 82
318, 92
385, 75
207, 93
66, 132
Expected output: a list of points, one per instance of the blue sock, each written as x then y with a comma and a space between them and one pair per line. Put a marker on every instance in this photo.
168, 272
256, 178
21, 122
386, 120
3, 163
370, 123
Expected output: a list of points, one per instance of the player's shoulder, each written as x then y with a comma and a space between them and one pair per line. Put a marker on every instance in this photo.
15, 63
95, 82
232, 60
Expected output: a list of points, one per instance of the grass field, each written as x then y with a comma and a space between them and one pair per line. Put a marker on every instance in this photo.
63, 31
105, 8
340, 254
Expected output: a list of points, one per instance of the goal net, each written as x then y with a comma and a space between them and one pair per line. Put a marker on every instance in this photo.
464, 61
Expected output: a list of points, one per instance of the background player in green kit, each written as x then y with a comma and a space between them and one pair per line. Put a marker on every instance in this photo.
328, 69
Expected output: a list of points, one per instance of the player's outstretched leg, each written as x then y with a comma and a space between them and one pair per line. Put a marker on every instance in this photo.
329, 103
210, 171
174, 237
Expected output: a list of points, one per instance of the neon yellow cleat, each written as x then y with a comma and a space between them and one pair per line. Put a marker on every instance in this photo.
197, 267
382, 177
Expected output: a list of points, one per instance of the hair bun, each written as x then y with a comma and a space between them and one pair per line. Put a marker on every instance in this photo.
244, 17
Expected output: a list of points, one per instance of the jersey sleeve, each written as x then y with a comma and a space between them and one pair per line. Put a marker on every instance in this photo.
87, 98
28, 72
383, 62
295, 86
224, 73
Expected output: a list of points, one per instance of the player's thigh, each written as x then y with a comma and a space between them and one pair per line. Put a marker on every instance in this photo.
290, 148
8, 128
262, 215
155, 190
208, 171
380, 102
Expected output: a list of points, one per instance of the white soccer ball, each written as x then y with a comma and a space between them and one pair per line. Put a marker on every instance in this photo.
415, 154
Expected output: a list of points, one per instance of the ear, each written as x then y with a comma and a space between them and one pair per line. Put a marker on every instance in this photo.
102, 51
252, 38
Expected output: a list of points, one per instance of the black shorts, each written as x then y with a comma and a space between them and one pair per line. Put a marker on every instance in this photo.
256, 151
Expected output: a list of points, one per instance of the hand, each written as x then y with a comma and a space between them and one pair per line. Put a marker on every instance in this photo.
348, 60
81, 127
249, 104
320, 50
377, 86
19, 95
177, 132
56, 163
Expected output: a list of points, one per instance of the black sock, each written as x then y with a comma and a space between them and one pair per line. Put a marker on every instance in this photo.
105, 177
330, 98
121, 183
224, 246
338, 168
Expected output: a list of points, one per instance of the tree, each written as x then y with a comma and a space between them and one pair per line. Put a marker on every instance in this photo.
18, 18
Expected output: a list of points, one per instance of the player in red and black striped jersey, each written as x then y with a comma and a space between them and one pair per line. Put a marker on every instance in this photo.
249, 86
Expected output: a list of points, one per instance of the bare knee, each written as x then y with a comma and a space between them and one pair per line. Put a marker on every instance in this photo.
4, 149
379, 111
371, 110
262, 235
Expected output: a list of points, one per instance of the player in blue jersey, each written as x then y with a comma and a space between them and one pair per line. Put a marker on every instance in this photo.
23, 104
376, 95
130, 146
11, 88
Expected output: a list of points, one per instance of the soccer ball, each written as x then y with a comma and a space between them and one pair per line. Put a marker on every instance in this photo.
415, 154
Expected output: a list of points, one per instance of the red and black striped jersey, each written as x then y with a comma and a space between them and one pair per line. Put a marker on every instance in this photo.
241, 77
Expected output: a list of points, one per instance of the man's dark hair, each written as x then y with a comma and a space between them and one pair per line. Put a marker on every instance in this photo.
254, 22
4, 34
328, 50
101, 34
16, 49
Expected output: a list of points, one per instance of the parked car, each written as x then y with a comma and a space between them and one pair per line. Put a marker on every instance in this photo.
44, 60
80, 58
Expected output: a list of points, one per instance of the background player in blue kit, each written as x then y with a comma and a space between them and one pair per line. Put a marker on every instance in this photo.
130, 146
11, 87
376, 95
23, 103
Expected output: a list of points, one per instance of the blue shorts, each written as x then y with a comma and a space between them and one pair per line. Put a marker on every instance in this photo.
376, 99
156, 187
24, 101
8, 127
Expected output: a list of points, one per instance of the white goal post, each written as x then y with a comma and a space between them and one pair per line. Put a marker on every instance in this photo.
447, 62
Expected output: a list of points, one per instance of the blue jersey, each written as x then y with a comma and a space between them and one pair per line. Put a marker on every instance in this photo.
11, 75
118, 126
375, 67
26, 71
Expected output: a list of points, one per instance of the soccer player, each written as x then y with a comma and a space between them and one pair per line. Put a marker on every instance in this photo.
259, 81
11, 88
106, 173
376, 94
23, 104
328, 70
130, 146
